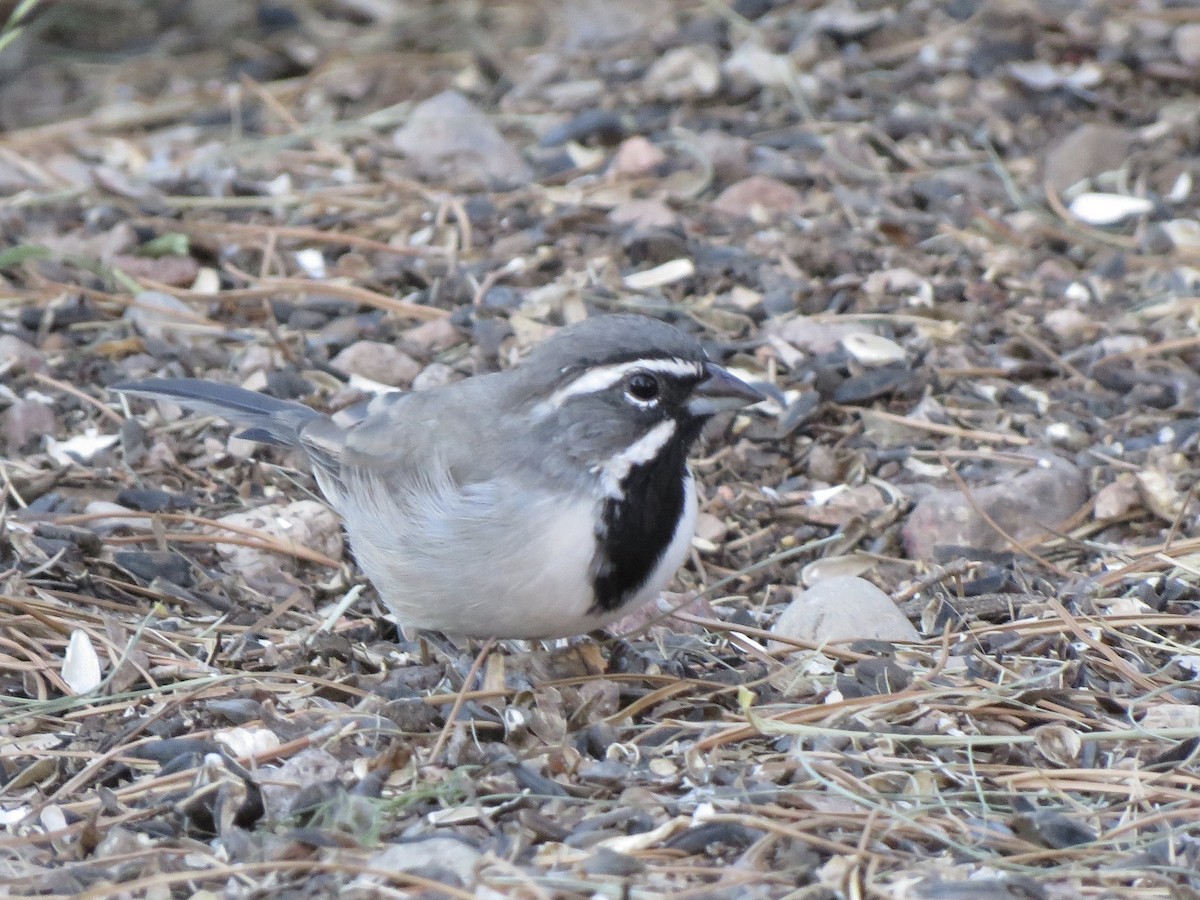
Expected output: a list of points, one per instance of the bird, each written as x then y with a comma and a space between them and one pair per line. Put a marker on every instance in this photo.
542, 501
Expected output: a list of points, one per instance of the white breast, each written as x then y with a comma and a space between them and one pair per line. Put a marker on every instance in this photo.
470, 561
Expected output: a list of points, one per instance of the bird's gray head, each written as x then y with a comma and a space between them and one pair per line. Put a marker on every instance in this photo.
619, 392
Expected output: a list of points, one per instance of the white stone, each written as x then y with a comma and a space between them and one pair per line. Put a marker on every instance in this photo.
844, 607
1108, 209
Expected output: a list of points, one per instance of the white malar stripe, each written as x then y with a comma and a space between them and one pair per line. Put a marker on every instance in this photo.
614, 471
604, 377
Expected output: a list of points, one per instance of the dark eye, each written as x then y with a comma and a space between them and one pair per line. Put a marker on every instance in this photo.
641, 386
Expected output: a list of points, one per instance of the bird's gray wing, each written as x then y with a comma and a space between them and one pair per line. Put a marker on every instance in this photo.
458, 425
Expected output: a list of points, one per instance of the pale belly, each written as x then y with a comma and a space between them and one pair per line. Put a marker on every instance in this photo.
482, 578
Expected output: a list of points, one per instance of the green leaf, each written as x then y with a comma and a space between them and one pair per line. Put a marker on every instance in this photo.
125, 281
24, 8
10, 32
170, 244
7, 37
14, 256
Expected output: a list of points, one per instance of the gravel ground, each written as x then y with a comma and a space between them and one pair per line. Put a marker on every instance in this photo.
937, 635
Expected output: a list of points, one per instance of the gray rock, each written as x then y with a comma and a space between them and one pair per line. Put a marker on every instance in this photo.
449, 137
432, 854
163, 317
285, 782
845, 607
1185, 41
595, 24
378, 361
432, 376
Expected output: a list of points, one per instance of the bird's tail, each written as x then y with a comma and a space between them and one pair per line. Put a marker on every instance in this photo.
267, 419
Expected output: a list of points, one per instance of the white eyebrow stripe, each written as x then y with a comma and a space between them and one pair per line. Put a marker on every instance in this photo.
603, 377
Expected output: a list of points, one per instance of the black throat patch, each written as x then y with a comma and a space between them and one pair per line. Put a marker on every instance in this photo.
636, 528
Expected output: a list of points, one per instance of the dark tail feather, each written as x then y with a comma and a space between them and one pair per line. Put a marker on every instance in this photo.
268, 419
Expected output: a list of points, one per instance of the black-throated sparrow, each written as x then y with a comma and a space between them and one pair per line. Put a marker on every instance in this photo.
542, 501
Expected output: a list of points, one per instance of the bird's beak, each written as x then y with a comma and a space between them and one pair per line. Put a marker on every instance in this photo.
721, 391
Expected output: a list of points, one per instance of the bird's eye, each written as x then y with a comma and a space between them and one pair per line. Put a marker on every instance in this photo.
642, 386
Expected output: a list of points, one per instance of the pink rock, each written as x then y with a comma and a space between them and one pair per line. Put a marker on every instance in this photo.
759, 196
1023, 505
637, 156
26, 357
644, 214
26, 421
